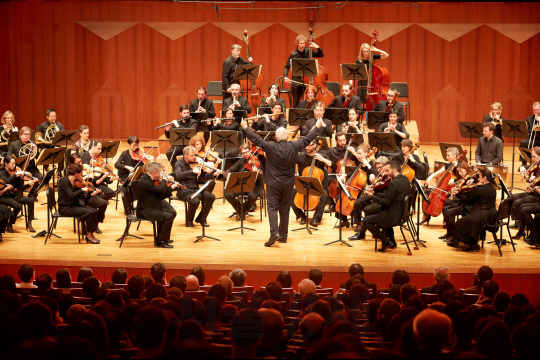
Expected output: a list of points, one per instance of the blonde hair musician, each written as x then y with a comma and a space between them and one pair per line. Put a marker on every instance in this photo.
83, 144
8, 121
495, 117
363, 58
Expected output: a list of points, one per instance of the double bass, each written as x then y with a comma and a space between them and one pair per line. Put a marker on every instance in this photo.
319, 81
378, 79
313, 201
252, 87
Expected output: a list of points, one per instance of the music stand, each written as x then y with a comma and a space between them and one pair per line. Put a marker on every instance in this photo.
303, 186
65, 137
374, 119
299, 67
240, 183
419, 204
298, 117
49, 156
180, 137
43, 183
470, 130
247, 72
525, 153
110, 148
514, 129
268, 135
337, 115
238, 115
354, 72
203, 221
261, 110
199, 117
445, 146
225, 139
341, 191
358, 138
380, 140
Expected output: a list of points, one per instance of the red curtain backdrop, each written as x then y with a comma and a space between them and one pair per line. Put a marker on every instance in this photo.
124, 77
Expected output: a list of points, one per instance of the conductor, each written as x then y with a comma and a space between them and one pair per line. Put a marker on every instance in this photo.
281, 158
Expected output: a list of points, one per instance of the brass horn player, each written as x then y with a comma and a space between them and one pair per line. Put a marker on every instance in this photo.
8, 119
83, 144
495, 117
23, 147
48, 129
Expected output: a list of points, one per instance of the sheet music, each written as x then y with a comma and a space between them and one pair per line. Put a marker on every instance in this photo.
200, 190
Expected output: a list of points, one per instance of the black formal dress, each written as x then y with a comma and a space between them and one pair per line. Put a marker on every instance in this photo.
281, 158
152, 205
298, 90
451, 209
354, 103
323, 131
99, 201
498, 127
244, 104
272, 125
178, 150
70, 203
362, 84
253, 195
207, 104
227, 74
124, 160
13, 197
14, 149
383, 104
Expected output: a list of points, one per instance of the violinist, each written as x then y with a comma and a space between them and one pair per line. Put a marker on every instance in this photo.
187, 172
347, 99
236, 102
270, 122
14, 150
489, 150
72, 189
131, 158
83, 144
101, 180
397, 107
8, 119
414, 162
202, 103
229, 67
228, 123
51, 120
301, 52
495, 117
304, 161
354, 126
151, 203
483, 212
532, 122
14, 179
308, 101
364, 58
208, 174
273, 97
393, 126
186, 122
247, 163
325, 130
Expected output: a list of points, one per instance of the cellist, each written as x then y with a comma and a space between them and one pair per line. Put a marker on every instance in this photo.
413, 161
363, 58
304, 161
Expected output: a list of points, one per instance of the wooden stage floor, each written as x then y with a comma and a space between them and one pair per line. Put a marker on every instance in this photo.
302, 251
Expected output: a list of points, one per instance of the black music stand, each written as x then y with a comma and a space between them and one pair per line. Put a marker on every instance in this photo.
374, 119
203, 221
225, 139
354, 72
301, 67
303, 186
199, 117
298, 117
51, 156
110, 148
65, 137
247, 72
526, 154
341, 191
445, 146
418, 211
358, 138
235, 184
514, 129
267, 135
504, 191
45, 182
470, 130
261, 110
380, 140
238, 115
337, 116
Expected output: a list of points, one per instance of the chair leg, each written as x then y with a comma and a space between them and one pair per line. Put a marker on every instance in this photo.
406, 243
185, 211
126, 231
138, 225
498, 242
375, 244
74, 225
154, 227
510, 237
53, 224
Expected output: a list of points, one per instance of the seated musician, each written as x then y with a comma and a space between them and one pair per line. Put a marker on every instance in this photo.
241, 166
237, 102
414, 162
273, 97
15, 150
452, 154
495, 117
396, 128
83, 144
354, 126
532, 122
202, 103
187, 172
69, 194
304, 162
308, 99
51, 120
208, 174
490, 148
483, 211
14, 180
364, 56
227, 123
325, 130
131, 158
5, 214
229, 67
94, 159
186, 122
270, 122
391, 207
383, 105
347, 99
8, 119
365, 204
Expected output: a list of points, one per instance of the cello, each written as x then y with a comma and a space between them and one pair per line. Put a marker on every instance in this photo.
341, 165
434, 206
378, 79
319, 81
252, 87
313, 201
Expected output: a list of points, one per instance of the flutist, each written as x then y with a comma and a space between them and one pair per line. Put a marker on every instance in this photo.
270, 122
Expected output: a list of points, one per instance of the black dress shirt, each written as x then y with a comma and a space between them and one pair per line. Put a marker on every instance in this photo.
229, 67
244, 104
399, 127
43, 127
186, 176
150, 195
207, 104
420, 168
124, 160
295, 54
324, 131
14, 180
383, 104
273, 125
188, 123
489, 152
392, 201
335, 154
68, 195
354, 102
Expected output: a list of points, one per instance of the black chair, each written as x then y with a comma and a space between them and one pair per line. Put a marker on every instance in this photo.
284, 90
334, 87
403, 89
55, 215
215, 89
503, 219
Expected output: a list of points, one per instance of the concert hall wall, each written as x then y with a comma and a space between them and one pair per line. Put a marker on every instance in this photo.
124, 67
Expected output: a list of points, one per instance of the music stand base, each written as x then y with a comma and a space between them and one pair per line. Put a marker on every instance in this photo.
200, 237
308, 228
337, 241
128, 234
241, 227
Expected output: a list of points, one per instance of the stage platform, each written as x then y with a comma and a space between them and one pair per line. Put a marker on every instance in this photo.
515, 272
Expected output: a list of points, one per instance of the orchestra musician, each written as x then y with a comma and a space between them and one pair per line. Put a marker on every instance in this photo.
101, 180
391, 207
202, 103
532, 121
270, 122
69, 194
186, 122
151, 203
304, 161
273, 97
187, 172
8, 121
363, 58
51, 119
5, 214
483, 212
414, 162
240, 166
130, 158
347, 99
490, 148
236, 102
354, 126
495, 117
15, 150
301, 52
325, 130
395, 127
208, 174
14, 180
281, 158
83, 144
308, 99
228, 123
396, 105
229, 67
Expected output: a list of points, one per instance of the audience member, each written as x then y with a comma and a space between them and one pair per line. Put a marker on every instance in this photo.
192, 283
158, 272
501, 301
99, 294
275, 290
199, 273
156, 290
395, 292
316, 276
306, 286
494, 340
524, 340
463, 323
353, 270
285, 279
431, 330
228, 285
489, 290
388, 308
513, 316
147, 281
311, 327
519, 299
274, 339
407, 291
119, 276
63, 279
442, 288
135, 286
108, 285
399, 277
218, 291
484, 274
90, 284
84, 272
178, 281
238, 277
27, 275
149, 329
440, 274
246, 333
44, 281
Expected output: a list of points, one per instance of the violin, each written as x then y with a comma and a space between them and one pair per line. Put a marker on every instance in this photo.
253, 164
27, 176
99, 164
79, 183
139, 156
210, 155
169, 180
255, 150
